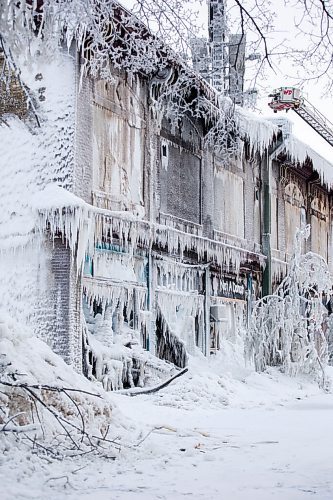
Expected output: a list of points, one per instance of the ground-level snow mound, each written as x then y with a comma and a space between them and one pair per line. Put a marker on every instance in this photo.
226, 380
46, 404
198, 387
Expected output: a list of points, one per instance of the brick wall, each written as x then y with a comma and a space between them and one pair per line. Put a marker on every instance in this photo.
12, 97
83, 176
58, 308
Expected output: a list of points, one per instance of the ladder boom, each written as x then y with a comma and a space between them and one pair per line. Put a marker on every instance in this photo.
286, 98
316, 120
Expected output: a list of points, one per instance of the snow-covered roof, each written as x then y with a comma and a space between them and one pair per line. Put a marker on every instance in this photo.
299, 152
258, 131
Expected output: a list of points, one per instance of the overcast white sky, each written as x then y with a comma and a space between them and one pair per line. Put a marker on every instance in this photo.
284, 28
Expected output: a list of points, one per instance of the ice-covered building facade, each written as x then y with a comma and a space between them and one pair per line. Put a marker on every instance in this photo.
121, 224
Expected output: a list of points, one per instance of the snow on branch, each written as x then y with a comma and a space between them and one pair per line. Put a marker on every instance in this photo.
105, 32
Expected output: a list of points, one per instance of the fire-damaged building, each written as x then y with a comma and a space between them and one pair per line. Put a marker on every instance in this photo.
142, 239
180, 255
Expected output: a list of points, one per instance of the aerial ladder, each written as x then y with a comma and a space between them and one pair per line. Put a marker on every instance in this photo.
286, 98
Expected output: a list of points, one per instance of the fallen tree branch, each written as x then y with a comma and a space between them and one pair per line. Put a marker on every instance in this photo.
151, 390
74, 438
156, 428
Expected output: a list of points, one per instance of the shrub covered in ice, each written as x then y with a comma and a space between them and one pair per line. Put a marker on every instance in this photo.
288, 327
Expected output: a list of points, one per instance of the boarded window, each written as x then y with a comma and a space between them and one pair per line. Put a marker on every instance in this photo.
319, 226
294, 201
180, 184
119, 139
229, 203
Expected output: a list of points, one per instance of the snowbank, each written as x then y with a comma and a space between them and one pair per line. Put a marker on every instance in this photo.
225, 380
48, 405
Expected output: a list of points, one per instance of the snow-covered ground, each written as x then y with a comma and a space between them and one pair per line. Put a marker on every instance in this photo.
213, 433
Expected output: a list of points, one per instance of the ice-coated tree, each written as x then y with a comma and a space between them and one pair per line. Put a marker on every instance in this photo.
105, 30
288, 327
